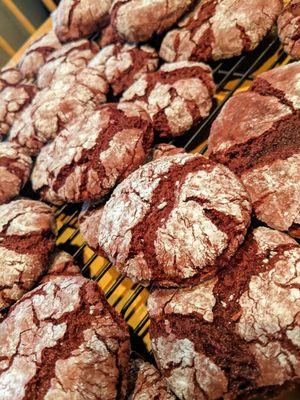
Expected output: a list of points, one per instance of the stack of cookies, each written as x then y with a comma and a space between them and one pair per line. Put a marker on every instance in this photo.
87, 117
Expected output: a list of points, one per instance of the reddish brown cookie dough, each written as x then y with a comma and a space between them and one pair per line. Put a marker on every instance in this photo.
257, 135
174, 221
13, 100
64, 341
75, 19
27, 237
62, 264
148, 383
165, 150
139, 20
176, 97
289, 29
124, 63
89, 219
94, 154
15, 168
10, 77
108, 36
235, 336
37, 53
66, 60
218, 29
55, 107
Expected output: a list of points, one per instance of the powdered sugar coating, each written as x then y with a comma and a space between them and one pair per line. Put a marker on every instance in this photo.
125, 63
36, 54
245, 337
218, 29
163, 224
27, 236
88, 220
289, 28
176, 97
96, 152
66, 60
131, 18
10, 77
75, 19
61, 339
62, 264
15, 168
55, 107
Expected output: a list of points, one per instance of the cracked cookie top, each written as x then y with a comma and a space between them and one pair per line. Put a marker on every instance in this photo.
53, 108
75, 19
37, 53
174, 221
27, 237
64, 338
66, 60
289, 28
10, 77
236, 335
218, 29
15, 167
177, 96
61, 264
124, 63
139, 20
257, 136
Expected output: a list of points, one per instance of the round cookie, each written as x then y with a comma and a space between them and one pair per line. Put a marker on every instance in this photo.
176, 97
174, 221
27, 237
15, 167
75, 19
66, 60
62, 264
218, 29
36, 54
88, 220
235, 336
97, 152
64, 341
289, 28
139, 20
55, 107
124, 63
257, 135
9, 77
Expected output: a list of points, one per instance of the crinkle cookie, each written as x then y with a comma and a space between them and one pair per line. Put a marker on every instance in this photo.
88, 220
10, 77
27, 237
13, 100
66, 60
165, 150
98, 151
124, 63
75, 19
53, 108
174, 221
257, 135
235, 336
15, 167
177, 96
64, 341
218, 29
139, 20
289, 29
62, 264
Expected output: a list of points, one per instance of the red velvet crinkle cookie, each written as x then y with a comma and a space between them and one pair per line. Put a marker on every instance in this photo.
235, 336
64, 341
15, 167
61, 264
218, 29
289, 29
139, 20
176, 97
27, 237
53, 108
174, 221
68, 59
10, 77
257, 135
98, 151
36, 54
89, 219
75, 19
124, 63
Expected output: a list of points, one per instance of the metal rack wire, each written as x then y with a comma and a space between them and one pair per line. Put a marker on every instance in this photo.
128, 298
